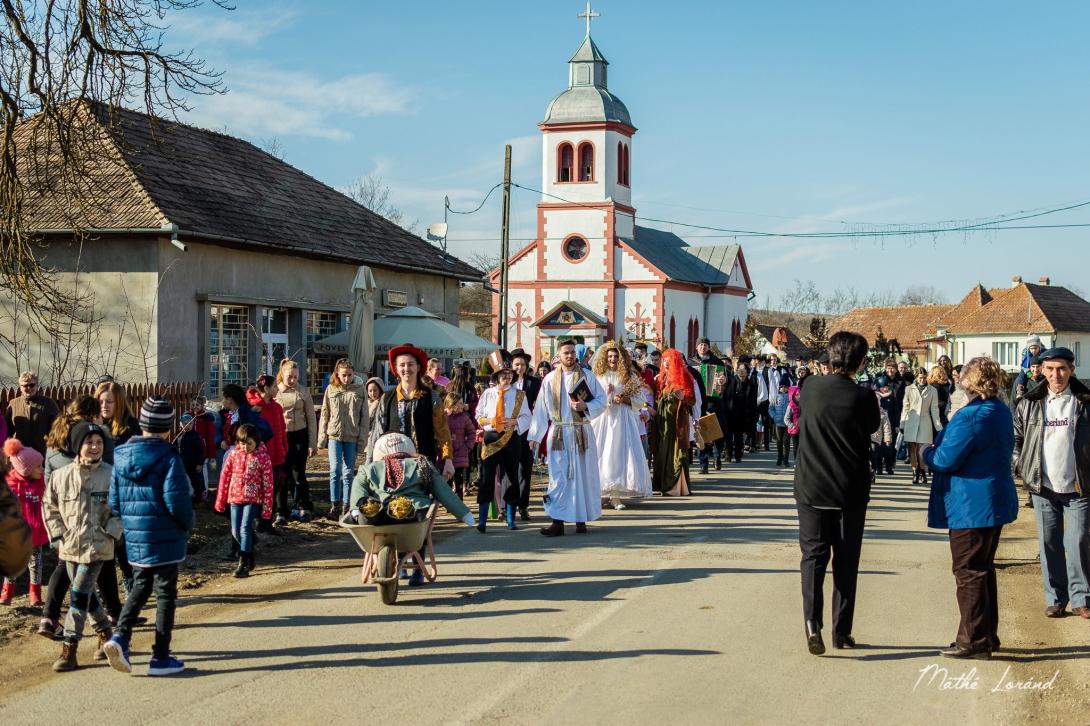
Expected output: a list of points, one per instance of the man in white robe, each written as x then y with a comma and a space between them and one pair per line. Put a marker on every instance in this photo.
622, 464
575, 491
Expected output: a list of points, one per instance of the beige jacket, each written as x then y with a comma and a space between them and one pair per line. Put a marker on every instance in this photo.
298, 411
344, 416
77, 513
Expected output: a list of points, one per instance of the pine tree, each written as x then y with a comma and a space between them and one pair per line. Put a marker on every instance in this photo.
747, 341
817, 340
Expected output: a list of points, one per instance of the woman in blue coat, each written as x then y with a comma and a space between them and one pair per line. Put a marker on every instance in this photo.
973, 495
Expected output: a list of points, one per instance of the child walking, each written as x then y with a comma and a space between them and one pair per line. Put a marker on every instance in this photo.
463, 437
778, 404
247, 485
85, 529
151, 493
26, 483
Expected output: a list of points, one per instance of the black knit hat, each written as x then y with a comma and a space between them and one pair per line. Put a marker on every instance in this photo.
81, 431
156, 415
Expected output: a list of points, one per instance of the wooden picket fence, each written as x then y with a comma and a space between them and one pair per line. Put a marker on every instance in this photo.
179, 394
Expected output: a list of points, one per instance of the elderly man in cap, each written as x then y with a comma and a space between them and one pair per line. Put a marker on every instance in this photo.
504, 413
529, 384
413, 408
1052, 456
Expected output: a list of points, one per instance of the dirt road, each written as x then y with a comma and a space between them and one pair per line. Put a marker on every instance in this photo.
671, 611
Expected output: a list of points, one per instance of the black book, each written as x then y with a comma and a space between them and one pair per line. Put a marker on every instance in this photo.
581, 392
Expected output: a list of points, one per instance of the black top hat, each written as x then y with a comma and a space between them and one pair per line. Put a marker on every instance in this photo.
520, 353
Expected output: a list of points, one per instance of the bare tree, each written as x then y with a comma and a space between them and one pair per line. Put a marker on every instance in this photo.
65, 67
272, 146
922, 295
372, 192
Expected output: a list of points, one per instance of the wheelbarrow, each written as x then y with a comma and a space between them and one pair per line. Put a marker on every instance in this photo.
388, 548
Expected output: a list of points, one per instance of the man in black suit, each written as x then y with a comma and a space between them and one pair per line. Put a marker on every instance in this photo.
531, 386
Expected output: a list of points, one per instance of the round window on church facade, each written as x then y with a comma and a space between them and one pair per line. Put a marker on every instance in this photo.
575, 248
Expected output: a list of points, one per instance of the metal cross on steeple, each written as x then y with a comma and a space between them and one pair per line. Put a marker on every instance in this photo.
589, 15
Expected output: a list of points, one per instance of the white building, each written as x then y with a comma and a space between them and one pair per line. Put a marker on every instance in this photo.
592, 271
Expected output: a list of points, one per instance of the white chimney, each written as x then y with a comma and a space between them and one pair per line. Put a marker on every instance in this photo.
1016, 281
1045, 281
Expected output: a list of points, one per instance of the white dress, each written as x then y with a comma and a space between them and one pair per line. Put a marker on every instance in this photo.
621, 462
574, 494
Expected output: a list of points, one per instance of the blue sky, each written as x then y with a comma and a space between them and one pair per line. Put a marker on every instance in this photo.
787, 116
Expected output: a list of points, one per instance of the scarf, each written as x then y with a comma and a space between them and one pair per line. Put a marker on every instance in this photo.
558, 411
395, 470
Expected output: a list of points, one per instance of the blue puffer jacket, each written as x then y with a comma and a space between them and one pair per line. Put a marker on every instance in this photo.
150, 491
973, 486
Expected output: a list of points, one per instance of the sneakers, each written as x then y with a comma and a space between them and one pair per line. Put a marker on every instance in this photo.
49, 629
280, 520
117, 652
67, 660
416, 579
165, 666
103, 638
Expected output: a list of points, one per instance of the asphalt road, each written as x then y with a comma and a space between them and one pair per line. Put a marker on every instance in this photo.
675, 610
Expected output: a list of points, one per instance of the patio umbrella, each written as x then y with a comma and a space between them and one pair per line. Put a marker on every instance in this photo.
419, 327
361, 334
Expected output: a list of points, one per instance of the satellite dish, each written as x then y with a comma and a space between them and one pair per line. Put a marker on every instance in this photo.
437, 232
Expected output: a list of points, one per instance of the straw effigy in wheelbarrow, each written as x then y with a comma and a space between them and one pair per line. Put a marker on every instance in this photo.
388, 548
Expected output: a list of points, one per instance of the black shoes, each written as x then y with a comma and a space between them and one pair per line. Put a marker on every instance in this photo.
958, 651
556, 529
704, 468
580, 527
524, 514
814, 643
718, 463
843, 641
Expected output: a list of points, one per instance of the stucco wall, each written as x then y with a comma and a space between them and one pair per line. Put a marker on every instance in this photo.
588, 223
171, 321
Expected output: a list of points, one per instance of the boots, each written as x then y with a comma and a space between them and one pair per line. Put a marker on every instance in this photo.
243, 569
7, 593
510, 516
35, 595
556, 529
482, 519
718, 462
915, 476
103, 638
67, 660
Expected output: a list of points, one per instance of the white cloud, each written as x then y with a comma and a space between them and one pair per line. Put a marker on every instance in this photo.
816, 222
238, 27
270, 103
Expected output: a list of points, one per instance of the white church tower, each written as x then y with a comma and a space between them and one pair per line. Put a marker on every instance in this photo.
591, 271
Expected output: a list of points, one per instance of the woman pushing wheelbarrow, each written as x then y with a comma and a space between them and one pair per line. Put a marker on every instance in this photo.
393, 505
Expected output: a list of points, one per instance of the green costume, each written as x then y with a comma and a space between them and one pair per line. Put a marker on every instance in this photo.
370, 483
671, 448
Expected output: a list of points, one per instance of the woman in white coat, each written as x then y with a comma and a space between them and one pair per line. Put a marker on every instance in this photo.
919, 422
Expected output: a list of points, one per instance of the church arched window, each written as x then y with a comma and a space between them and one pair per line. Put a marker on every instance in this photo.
565, 163
586, 162
624, 165
673, 331
620, 163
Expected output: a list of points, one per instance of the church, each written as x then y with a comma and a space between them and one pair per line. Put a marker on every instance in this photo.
591, 270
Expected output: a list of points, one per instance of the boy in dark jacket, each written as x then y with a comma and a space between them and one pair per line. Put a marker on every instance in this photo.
191, 447
151, 493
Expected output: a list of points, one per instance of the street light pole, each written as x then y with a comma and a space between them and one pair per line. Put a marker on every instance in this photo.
505, 245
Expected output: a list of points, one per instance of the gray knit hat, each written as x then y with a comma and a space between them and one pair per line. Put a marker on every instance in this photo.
156, 415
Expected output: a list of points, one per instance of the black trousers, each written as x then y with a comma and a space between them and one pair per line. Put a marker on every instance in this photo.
164, 580
505, 460
825, 532
783, 445
295, 468
973, 554
280, 489
766, 423
461, 481
526, 469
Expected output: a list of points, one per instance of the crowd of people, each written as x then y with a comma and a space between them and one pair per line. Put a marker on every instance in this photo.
112, 490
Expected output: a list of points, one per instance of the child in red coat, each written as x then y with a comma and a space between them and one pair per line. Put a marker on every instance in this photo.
26, 482
246, 483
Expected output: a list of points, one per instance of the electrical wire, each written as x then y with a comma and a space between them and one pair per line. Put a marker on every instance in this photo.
479, 206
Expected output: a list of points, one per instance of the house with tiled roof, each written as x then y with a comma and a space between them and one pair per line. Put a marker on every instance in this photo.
999, 327
211, 260
995, 322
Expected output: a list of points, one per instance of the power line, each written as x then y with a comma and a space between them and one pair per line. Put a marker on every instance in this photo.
479, 206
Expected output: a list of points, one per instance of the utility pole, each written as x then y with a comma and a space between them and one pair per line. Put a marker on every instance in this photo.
505, 244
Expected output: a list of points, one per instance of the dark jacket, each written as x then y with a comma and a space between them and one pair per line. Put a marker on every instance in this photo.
973, 486
245, 414
15, 535
29, 419
705, 402
740, 404
1029, 439
531, 386
150, 491
832, 466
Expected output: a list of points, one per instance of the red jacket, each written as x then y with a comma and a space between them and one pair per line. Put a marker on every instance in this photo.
247, 478
205, 426
273, 413
30, 493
